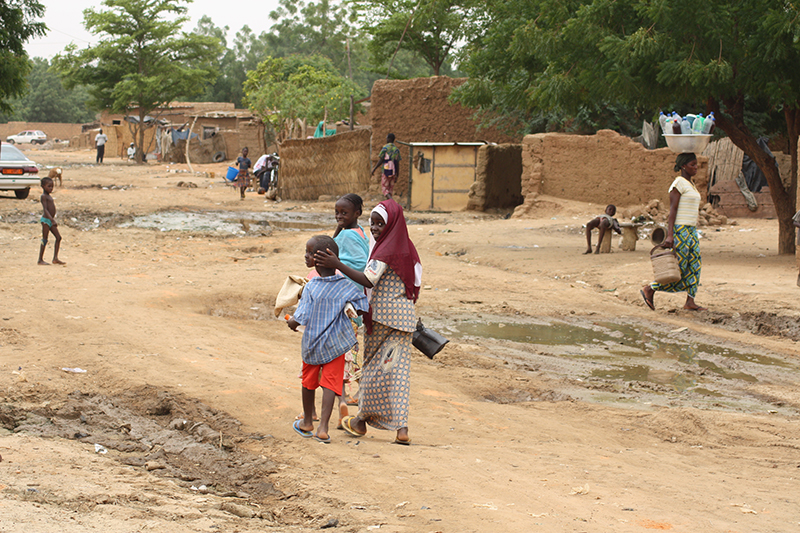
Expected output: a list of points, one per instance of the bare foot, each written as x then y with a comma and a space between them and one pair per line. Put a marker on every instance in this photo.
58, 262
587, 251
43, 262
597, 251
695, 307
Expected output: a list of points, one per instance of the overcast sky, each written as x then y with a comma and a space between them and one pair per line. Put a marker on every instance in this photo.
64, 18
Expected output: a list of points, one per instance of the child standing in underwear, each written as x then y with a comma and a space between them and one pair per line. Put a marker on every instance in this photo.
327, 336
603, 223
48, 221
353, 251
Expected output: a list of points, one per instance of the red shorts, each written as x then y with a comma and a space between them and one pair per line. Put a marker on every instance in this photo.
329, 376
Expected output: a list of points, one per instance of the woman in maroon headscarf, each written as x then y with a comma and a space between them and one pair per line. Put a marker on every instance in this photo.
393, 273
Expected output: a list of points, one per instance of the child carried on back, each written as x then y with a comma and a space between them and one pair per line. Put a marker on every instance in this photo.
328, 335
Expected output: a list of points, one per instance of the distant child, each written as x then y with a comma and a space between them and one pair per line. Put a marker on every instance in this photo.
327, 336
389, 157
48, 221
603, 222
353, 251
243, 178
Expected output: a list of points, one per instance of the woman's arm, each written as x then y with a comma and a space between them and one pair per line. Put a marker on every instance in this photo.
328, 259
674, 200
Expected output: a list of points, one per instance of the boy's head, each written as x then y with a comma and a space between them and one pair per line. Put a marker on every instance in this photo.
390, 138
47, 183
611, 210
319, 243
245, 150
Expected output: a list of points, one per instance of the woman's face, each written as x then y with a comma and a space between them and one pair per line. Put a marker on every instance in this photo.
346, 214
690, 168
376, 225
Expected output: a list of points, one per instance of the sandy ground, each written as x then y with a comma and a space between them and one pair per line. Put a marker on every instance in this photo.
182, 418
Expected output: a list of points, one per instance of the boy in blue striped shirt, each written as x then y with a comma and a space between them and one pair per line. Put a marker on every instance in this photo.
328, 335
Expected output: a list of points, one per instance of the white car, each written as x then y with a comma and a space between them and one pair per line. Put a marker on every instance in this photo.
28, 136
17, 172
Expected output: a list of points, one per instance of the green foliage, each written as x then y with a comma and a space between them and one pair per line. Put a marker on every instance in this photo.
18, 26
565, 56
436, 28
283, 90
46, 99
142, 59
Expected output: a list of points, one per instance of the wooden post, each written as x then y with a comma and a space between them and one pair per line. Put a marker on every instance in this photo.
605, 245
629, 236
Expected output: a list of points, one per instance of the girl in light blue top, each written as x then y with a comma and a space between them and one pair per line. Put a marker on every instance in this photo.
353, 246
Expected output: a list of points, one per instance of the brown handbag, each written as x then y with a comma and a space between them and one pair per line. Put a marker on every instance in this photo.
665, 265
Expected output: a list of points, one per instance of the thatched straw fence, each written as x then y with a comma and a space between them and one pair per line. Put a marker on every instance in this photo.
334, 165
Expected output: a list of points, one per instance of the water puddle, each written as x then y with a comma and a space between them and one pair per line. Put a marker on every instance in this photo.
230, 222
654, 357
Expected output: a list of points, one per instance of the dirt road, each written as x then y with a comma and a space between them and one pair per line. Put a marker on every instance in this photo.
147, 385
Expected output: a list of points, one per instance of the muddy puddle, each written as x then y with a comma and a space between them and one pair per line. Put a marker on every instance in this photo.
625, 361
229, 222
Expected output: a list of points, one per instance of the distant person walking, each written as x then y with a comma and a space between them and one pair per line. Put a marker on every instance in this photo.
243, 178
100, 141
684, 208
389, 157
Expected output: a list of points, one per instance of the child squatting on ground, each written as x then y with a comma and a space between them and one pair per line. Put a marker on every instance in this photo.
327, 336
48, 221
603, 223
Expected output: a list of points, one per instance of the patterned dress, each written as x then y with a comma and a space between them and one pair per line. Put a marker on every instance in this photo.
385, 376
687, 243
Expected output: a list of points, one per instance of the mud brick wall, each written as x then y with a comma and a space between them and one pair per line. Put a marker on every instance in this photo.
497, 184
334, 165
54, 130
605, 168
417, 110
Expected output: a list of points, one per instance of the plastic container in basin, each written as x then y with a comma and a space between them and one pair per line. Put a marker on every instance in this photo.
687, 143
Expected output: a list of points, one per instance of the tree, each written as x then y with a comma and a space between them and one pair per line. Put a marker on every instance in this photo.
284, 90
723, 55
18, 26
46, 99
143, 61
430, 29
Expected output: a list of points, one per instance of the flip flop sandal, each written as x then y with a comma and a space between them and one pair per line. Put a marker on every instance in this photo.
402, 442
323, 441
647, 302
343, 412
348, 427
302, 432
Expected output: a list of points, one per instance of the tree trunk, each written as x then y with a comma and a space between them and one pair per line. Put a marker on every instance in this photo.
793, 129
140, 155
784, 200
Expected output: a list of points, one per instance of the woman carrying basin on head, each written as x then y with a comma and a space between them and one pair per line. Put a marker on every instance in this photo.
684, 207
